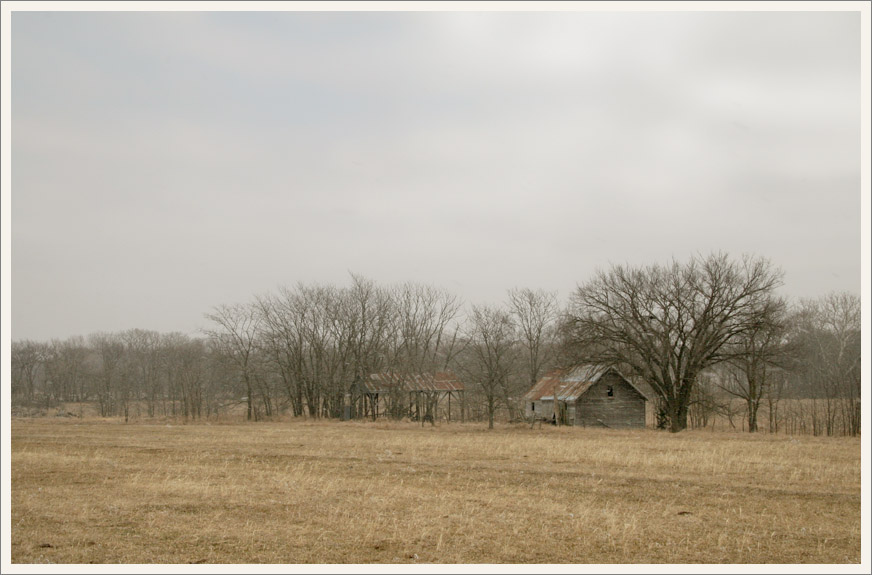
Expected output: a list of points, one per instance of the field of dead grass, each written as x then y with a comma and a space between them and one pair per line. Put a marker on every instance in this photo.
309, 492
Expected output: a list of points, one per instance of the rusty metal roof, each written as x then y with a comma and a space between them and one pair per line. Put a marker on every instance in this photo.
390, 381
566, 384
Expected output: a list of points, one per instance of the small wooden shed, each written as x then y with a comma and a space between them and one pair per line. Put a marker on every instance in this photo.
587, 395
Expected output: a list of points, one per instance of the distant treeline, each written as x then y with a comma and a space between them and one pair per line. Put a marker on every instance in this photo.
704, 335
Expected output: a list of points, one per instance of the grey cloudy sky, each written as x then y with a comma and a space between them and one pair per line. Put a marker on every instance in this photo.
164, 163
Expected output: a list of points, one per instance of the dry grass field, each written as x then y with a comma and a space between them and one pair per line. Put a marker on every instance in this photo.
304, 492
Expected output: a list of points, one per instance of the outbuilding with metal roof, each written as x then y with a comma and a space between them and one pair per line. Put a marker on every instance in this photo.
587, 395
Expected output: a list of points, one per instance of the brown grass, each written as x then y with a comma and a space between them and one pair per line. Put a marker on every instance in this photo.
303, 492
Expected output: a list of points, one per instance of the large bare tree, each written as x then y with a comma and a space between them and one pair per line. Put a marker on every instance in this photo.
536, 313
425, 340
113, 390
235, 335
283, 343
144, 363
666, 324
491, 353
759, 357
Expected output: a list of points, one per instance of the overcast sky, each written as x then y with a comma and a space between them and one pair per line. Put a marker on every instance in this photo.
165, 163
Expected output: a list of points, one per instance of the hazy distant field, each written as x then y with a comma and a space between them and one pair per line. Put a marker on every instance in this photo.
105, 492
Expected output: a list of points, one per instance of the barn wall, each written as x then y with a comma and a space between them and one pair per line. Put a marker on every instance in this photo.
626, 408
543, 408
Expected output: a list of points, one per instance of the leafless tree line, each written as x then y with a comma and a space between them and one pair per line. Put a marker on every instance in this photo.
802, 373
305, 347
710, 337
299, 351
136, 372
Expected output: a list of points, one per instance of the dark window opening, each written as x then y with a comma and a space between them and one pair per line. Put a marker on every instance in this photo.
610, 392
533, 406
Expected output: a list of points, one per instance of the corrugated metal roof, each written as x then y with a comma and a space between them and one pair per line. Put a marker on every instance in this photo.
566, 384
386, 382
588, 373
570, 384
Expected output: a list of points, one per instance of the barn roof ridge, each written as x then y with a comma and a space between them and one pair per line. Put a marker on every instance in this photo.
569, 383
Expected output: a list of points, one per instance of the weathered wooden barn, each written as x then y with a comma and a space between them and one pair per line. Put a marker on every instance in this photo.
417, 396
587, 395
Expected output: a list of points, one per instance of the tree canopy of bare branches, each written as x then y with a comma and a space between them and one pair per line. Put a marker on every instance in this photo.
758, 360
491, 353
666, 324
827, 337
535, 313
235, 335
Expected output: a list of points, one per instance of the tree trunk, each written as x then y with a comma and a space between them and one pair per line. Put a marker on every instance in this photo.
677, 423
298, 401
677, 410
752, 415
248, 394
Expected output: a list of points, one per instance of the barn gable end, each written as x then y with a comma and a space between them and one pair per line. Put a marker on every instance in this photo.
611, 402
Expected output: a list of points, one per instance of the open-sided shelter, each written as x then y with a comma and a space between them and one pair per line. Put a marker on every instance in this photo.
413, 395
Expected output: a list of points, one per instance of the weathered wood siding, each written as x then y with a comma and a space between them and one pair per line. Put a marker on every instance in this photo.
543, 408
624, 408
